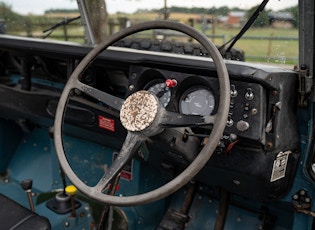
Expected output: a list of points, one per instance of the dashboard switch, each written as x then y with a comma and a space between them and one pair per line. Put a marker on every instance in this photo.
233, 91
242, 125
229, 121
249, 95
170, 83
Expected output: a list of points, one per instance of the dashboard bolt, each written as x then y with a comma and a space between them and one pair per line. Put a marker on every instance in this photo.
269, 145
131, 87
233, 137
237, 182
134, 76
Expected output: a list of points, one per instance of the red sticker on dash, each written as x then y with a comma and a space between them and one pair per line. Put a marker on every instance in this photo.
106, 123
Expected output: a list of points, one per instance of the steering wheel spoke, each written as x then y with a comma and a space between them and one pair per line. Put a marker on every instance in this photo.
106, 98
171, 119
129, 148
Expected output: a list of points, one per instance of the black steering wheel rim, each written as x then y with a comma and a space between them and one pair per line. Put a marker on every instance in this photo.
204, 155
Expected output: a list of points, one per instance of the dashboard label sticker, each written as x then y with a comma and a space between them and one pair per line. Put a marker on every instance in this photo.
280, 166
106, 123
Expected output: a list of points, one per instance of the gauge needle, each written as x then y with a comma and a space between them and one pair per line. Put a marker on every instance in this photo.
162, 92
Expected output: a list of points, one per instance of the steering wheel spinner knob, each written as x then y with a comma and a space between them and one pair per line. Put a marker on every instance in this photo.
139, 111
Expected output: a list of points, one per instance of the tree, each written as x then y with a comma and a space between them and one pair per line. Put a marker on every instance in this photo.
13, 21
262, 20
98, 17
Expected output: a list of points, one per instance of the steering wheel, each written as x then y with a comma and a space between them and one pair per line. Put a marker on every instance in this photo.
143, 116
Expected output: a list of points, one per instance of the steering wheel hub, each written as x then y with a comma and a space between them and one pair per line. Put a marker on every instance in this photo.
139, 111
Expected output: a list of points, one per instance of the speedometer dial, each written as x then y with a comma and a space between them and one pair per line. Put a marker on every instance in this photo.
199, 101
162, 92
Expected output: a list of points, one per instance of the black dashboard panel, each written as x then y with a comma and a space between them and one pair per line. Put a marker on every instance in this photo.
248, 115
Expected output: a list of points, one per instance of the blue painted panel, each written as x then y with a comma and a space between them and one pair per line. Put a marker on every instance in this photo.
32, 159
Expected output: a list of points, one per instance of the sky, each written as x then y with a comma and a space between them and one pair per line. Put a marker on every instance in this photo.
130, 6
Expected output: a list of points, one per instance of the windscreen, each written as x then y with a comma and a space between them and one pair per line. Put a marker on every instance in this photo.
271, 39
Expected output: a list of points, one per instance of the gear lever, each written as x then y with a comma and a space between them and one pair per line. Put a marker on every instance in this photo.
27, 186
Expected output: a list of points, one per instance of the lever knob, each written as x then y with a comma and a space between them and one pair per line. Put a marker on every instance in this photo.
71, 190
27, 187
27, 184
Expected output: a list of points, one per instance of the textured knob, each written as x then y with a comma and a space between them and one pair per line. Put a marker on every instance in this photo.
242, 125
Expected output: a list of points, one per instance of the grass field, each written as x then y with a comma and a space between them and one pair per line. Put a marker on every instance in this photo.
273, 50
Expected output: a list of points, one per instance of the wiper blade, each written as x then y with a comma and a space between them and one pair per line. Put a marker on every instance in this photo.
62, 23
248, 24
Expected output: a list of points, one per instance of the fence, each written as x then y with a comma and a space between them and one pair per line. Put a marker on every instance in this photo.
281, 57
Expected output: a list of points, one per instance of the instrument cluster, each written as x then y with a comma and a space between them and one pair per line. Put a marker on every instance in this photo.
199, 95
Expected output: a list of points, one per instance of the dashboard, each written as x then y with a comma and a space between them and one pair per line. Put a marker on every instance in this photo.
261, 124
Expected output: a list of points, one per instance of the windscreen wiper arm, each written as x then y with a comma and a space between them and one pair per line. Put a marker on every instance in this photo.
62, 23
248, 24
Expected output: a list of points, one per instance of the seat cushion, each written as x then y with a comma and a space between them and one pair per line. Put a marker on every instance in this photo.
14, 216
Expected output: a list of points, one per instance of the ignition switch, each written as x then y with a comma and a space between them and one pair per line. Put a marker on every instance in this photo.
302, 202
